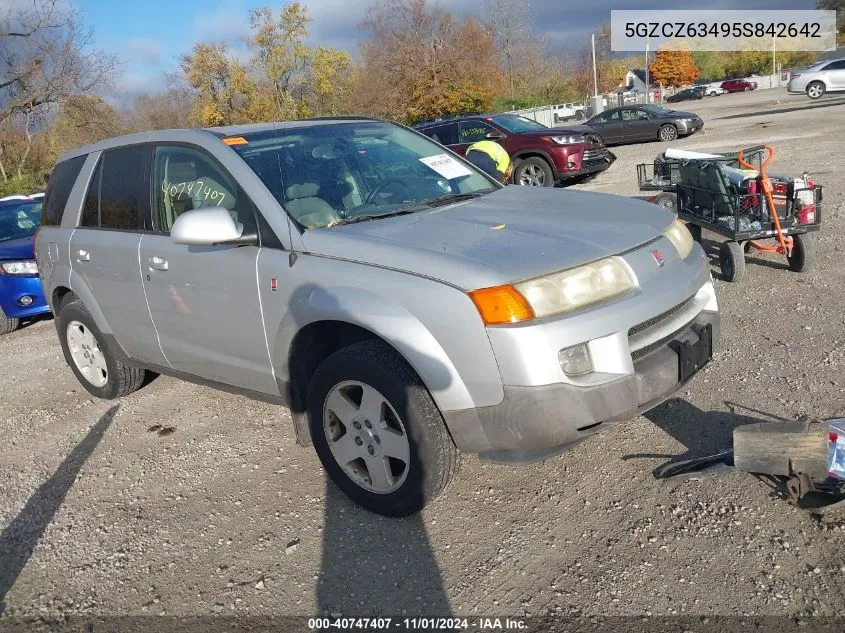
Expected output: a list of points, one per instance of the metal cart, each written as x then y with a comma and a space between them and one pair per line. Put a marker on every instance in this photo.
748, 213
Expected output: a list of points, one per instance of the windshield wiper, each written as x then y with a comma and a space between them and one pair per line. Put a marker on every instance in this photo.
451, 198
375, 216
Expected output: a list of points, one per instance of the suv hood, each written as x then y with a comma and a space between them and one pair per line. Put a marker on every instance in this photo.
511, 234
20, 248
555, 131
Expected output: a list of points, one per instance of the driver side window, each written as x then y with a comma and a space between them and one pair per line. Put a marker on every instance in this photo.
474, 131
185, 179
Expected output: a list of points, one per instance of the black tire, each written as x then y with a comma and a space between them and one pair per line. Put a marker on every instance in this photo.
7, 325
434, 458
668, 201
815, 89
732, 261
667, 132
800, 259
539, 168
121, 379
695, 231
579, 115
746, 247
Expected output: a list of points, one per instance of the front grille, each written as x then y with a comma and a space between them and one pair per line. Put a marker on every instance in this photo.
660, 318
648, 349
594, 154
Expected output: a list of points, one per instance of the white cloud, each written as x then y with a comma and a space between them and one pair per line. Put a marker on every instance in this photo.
144, 50
229, 23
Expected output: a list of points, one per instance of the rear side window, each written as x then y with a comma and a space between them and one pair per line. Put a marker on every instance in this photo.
58, 190
443, 134
119, 194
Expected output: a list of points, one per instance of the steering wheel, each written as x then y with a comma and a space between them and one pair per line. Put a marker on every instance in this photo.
371, 196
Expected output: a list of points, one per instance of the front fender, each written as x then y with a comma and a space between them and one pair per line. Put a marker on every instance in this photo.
388, 320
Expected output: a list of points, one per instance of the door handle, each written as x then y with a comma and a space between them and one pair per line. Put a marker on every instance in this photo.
158, 263
83, 256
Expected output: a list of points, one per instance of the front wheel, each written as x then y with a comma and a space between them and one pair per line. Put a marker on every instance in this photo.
732, 261
85, 351
7, 324
815, 90
534, 172
800, 256
377, 431
667, 133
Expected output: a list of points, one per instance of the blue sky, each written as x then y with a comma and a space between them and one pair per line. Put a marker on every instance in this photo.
150, 35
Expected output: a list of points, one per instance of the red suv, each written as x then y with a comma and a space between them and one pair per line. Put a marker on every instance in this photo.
739, 85
542, 156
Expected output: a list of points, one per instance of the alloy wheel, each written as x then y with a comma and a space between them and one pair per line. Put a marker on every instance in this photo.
366, 437
86, 354
532, 176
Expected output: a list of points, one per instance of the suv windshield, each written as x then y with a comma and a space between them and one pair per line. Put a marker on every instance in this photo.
326, 174
516, 124
656, 109
19, 220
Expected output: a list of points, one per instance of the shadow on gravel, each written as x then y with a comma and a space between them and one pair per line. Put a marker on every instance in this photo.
372, 566
18, 540
701, 432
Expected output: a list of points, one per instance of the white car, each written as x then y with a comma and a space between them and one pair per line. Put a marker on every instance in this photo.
715, 89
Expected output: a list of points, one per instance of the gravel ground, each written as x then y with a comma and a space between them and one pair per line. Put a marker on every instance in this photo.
226, 515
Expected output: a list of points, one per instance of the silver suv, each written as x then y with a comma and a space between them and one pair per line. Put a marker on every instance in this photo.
402, 304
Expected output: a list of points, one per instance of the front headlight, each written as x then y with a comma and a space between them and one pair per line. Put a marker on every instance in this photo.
22, 267
566, 140
679, 235
573, 289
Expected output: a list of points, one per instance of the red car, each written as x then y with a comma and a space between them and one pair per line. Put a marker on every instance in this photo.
739, 85
542, 156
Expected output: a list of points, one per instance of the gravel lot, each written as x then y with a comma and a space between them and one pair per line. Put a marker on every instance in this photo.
226, 515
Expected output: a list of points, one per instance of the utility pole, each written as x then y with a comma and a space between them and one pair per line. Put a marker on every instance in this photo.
647, 89
595, 73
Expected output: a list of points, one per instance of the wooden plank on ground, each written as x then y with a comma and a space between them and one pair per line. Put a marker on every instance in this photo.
768, 447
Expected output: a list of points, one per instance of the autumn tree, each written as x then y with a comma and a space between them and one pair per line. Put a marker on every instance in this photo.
45, 58
673, 68
167, 109
421, 63
508, 22
710, 64
225, 93
84, 119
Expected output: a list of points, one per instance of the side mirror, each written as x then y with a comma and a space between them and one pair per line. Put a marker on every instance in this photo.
211, 226
494, 135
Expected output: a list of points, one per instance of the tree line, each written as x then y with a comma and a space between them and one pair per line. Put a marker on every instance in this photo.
417, 61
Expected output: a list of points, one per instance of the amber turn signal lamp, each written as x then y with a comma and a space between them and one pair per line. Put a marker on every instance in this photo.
501, 305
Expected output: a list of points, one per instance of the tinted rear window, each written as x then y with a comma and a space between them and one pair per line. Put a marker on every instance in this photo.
58, 190
119, 194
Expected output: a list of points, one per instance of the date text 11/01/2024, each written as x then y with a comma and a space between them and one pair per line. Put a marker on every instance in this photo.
413, 624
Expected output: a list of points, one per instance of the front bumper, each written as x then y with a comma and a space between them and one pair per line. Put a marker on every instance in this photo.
535, 422
591, 161
685, 128
14, 288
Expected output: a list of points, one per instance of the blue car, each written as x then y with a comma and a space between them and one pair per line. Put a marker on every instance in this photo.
21, 296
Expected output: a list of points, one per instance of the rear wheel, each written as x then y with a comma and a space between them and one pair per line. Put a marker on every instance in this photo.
579, 115
85, 351
815, 90
732, 261
800, 257
7, 324
667, 132
378, 432
534, 172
